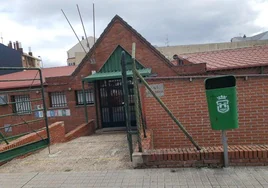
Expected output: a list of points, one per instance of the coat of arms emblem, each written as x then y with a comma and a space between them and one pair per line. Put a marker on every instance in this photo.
222, 104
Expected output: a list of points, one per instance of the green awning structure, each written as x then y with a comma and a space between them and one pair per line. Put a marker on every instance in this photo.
114, 75
112, 67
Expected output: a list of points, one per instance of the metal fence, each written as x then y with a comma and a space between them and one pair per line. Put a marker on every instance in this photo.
23, 112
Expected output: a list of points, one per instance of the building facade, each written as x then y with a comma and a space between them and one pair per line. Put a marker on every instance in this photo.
182, 90
76, 54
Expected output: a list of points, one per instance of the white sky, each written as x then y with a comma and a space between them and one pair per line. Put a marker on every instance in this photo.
40, 24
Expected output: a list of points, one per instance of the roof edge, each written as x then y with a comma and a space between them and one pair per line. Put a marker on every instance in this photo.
127, 26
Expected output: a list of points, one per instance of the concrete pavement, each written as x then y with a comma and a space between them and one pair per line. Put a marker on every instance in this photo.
95, 152
249, 177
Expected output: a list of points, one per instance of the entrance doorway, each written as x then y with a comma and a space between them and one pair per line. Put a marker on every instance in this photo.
112, 105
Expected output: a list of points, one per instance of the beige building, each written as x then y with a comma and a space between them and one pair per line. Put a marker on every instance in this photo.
28, 60
77, 53
170, 51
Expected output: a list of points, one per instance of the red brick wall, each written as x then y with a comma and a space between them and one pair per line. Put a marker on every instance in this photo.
120, 35
7, 109
85, 129
56, 132
188, 103
57, 135
246, 155
71, 122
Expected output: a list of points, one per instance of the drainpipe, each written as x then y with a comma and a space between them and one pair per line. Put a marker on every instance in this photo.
84, 101
96, 104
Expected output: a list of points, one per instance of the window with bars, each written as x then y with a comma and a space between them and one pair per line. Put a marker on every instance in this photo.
57, 99
21, 104
89, 97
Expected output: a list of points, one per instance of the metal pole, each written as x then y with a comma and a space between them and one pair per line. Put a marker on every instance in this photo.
225, 148
135, 83
84, 101
94, 24
126, 102
96, 104
3, 138
141, 115
83, 26
166, 109
73, 31
44, 108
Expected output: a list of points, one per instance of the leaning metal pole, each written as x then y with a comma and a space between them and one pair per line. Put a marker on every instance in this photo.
136, 73
126, 102
44, 107
135, 83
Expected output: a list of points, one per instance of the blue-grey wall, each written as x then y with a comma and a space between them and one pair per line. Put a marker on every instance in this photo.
9, 58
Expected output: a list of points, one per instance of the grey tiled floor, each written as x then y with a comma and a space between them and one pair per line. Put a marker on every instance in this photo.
249, 177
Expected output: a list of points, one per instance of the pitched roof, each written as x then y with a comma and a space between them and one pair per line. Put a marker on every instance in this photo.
31, 74
260, 36
231, 59
106, 30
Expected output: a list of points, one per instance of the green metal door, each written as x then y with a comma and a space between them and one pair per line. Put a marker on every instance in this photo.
111, 103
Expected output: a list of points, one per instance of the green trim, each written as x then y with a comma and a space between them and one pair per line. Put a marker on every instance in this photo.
113, 64
114, 75
22, 150
112, 67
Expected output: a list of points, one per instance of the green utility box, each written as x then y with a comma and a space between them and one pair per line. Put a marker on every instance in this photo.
221, 100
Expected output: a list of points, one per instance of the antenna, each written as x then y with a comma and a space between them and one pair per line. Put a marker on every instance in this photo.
167, 41
73, 30
83, 25
94, 23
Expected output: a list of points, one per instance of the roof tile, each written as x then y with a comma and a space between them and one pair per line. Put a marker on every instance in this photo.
31, 74
231, 58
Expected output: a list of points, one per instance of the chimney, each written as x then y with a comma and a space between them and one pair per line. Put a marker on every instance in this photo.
17, 45
20, 48
30, 52
177, 59
14, 44
10, 44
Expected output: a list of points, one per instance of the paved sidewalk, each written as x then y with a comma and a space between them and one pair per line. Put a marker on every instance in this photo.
95, 152
187, 177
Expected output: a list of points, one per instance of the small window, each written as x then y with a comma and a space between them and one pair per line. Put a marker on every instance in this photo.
21, 104
89, 97
57, 99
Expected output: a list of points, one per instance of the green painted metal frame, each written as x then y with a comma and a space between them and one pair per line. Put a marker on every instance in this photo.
44, 142
22, 150
126, 103
136, 98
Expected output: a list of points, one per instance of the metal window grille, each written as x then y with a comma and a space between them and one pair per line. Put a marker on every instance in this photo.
89, 97
22, 104
58, 99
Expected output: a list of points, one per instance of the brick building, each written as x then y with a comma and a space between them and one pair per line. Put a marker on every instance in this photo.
183, 89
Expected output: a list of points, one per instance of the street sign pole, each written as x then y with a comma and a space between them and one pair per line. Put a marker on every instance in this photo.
225, 148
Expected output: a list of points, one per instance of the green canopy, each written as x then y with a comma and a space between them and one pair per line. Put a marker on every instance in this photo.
114, 75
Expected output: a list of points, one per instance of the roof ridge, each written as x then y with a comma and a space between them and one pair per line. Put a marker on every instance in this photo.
59, 67
223, 50
139, 36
